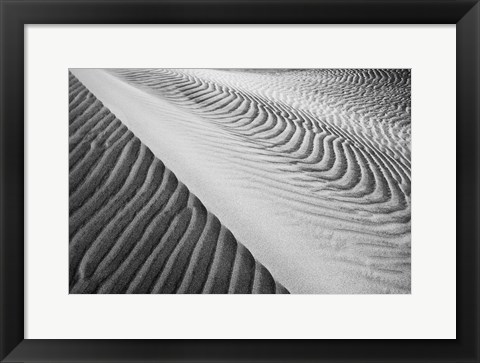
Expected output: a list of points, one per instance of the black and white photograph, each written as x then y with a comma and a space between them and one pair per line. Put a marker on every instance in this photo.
239, 181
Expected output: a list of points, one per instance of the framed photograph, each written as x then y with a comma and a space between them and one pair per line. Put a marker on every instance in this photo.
169, 169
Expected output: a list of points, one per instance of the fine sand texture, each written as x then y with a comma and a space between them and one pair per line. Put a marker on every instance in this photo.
310, 169
134, 227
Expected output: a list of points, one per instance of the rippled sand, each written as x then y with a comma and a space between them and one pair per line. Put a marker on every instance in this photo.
309, 169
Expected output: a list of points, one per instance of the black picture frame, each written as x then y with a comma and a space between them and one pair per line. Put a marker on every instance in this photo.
16, 13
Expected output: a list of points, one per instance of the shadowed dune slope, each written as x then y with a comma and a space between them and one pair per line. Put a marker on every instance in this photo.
135, 228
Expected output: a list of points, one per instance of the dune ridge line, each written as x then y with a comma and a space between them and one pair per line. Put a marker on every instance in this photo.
134, 227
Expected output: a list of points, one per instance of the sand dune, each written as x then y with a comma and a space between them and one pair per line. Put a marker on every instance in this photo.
134, 227
309, 168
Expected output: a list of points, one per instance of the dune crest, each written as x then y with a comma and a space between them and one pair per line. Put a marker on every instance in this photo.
134, 227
